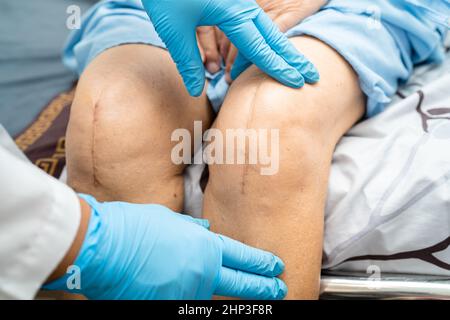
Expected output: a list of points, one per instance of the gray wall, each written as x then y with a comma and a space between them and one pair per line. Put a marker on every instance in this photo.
32, 34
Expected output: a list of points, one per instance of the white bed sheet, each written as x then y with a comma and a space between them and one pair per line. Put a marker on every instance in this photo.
388, 207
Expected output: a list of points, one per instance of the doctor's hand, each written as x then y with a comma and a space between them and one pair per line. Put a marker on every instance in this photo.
134, 251
243, 22
216, 47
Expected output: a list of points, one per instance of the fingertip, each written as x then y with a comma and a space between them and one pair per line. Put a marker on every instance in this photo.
228, 78
300, 83
275, 267
212, 67
312, 80
193, 76
310, 73
292, 78
195, 90
279, 266
281, 289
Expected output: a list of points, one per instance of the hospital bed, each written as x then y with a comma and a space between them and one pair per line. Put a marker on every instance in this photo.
342, 285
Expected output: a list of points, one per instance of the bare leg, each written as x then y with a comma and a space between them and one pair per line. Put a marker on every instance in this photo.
127, 104
283, 213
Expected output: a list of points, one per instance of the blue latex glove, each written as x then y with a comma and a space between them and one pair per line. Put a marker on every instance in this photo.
134, 251
244, 23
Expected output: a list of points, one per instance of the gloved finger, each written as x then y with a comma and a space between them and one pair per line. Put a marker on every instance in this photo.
209, 45
252, 45
201, 222
235, 283
282, 46
231, 57
239, 256
240, 65
186, 55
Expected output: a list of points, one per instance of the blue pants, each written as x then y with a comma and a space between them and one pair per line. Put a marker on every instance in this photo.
382, 40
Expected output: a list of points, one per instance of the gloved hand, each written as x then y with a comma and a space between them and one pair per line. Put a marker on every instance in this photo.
246, 25
134, 251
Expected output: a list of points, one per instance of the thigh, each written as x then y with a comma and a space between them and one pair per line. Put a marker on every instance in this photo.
128, 102
283, 212
332, 106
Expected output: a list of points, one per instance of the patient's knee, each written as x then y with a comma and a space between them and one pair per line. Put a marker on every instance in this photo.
122, 118
285, 144
118, 146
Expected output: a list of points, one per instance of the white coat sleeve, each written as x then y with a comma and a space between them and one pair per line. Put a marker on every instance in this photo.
39, 219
